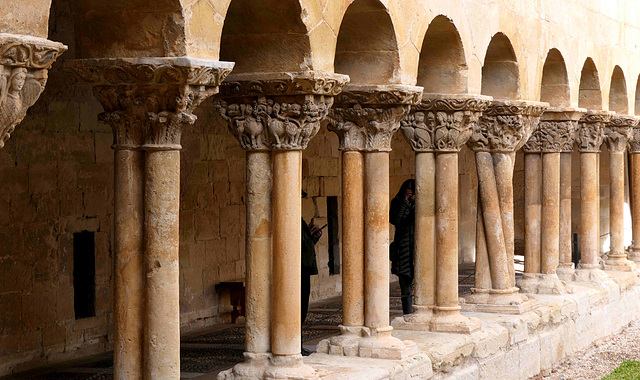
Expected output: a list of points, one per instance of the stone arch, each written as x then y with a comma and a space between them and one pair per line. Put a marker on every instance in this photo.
618, 100
590, 95
554, 88
637, 98
367, 49
442, 67
500, 75
265, 36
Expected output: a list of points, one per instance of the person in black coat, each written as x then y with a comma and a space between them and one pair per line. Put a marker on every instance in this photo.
402, 216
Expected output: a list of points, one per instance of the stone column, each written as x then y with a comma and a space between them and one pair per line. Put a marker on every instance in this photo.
277, 112
556, 128
634, 152
590, 137
24, 67
565, 265
503, 128
148, 101
366, 117
532, 205
618, 132
436, 129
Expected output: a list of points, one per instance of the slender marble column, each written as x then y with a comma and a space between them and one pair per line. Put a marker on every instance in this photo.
618, 132
634, 152
590, 137
503, 128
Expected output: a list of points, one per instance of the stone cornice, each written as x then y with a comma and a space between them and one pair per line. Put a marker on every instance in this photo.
506, 125
590, 135
366, 117
555, 132
277, 111
24, 65
29, 52
619, 131
147, 101
443, 123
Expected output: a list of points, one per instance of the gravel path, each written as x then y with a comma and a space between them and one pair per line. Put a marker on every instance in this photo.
602, 358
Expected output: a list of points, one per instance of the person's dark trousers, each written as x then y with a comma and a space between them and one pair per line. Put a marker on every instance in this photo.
406, 283
305, 291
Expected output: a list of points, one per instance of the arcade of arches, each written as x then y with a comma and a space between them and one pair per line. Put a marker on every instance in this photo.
154, 151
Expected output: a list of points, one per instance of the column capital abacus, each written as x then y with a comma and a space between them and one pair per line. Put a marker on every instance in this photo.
365, 117
147, 101
277, 111
590, 135
618, 132
506, 125
24, 65
442, 122
557, 129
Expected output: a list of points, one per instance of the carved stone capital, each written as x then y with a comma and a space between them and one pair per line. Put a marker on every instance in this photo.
24, 65
443, 123
506, 125
147, 101
634, 141
619, 131
366, 117
556, 131
590, 135
277, 111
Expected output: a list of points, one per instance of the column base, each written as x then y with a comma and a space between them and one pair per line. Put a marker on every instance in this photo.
565, 272
419, 320
590, 273
289, 367
542, 283
252, 368
618, 263
634, 254
372, 343
505, 301
449, 319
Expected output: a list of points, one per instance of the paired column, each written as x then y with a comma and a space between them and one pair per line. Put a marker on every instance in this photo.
274, 116
503, 128
147, 102
565, 265
618, 132
555, 130
590, 137
437, 129
365, 119
634, 152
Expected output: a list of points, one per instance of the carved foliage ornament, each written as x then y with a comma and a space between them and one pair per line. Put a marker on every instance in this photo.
634, 142
148, 103
552, 136
505, 127
590, 135
366, 120
24, 64
619, 131
442, 124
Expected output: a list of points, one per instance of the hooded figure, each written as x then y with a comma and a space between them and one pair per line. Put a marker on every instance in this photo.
402, 216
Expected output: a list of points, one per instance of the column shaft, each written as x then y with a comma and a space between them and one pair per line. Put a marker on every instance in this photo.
376, 243
635, 204
589, 210
447, 229
616, 207
532, 211
352, 239
550, 243
129, 271
503, 168
162, 205
286, 318
258, 252
565, 239
425, 227
483, 273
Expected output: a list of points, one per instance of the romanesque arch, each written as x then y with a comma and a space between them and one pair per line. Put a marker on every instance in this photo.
442, 67
367, 49
590, 95
500, 76
618, 100
554, 88
256, 42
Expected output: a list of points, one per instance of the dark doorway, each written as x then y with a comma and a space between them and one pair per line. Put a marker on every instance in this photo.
84, 274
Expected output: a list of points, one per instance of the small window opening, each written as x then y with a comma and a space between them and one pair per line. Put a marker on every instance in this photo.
334, 240
84, 274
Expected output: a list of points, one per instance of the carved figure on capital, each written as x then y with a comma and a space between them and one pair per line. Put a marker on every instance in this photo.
590, 135
619, 131
634, 141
